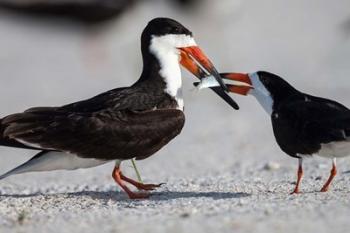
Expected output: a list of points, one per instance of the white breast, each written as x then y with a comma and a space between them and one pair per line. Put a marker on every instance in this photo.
165, 50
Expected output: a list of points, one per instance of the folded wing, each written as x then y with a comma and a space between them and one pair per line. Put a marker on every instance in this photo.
104, 134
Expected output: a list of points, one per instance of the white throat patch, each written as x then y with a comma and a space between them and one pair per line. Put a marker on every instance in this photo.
260, 92
165, 50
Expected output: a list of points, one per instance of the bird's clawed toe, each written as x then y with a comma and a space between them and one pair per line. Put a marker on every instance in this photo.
120, 178
295, 191
148, 187
139, 185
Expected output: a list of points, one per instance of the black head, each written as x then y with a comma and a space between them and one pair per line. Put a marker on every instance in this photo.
275, 85
164, 26
261, 82
269, 89
158, 28
161, 27
166, 44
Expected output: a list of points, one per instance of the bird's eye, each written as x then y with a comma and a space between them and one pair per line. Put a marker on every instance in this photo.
264, 80
176, 30
167, 29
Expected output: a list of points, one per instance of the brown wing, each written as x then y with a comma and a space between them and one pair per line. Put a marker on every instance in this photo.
102, 135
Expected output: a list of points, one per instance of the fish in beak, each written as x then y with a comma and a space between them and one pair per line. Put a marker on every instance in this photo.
241, 83
195, 61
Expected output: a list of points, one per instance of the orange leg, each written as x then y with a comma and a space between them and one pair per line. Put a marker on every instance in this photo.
117, 176
331, 177
139, 185
300, 176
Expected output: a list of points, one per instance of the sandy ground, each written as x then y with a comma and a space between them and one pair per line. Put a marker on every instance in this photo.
215, 171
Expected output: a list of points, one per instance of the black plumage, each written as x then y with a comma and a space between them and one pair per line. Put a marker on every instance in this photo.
303, 124
117, 124
120, 124
106, 134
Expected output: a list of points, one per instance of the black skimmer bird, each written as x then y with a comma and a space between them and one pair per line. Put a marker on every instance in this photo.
303, 124
120, 124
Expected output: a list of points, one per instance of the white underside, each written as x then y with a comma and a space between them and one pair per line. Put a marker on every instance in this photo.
335, 149
332, 150
55, 161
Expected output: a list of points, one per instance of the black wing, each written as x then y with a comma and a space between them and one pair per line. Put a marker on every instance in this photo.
131, 98
102, 135
300, 127
5, 141
119, 99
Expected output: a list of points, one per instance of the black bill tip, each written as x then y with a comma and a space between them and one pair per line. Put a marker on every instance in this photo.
220, 92
218, 78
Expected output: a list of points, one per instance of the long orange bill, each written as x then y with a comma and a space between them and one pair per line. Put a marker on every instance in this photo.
195, 61
238, 77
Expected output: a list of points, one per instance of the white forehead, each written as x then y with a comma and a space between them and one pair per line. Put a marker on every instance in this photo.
173, 40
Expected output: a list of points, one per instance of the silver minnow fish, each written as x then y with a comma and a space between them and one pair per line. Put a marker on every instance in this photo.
206, 82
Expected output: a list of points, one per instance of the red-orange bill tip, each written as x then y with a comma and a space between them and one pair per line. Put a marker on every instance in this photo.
194, 59
238, 77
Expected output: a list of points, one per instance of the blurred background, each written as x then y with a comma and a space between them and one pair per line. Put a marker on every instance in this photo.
57, 52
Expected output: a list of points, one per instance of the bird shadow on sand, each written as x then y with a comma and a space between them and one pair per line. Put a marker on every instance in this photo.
119, 196
162, 196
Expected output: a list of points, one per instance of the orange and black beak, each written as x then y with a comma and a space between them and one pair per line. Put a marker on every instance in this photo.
241, 79
195, 61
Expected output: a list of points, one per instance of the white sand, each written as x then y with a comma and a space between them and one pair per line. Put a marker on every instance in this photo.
214, 171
